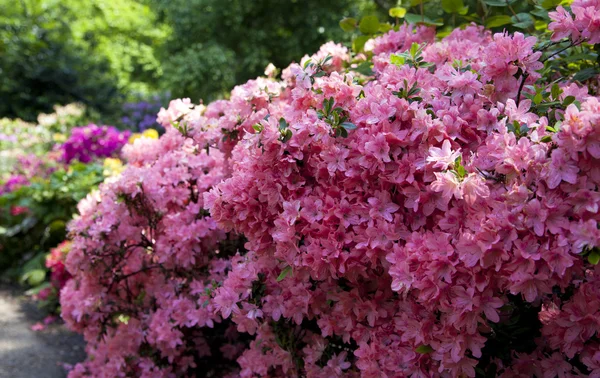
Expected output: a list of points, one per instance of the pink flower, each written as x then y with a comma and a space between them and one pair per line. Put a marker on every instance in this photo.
379, 148
382, 206
561, 168
443, 157
448, 184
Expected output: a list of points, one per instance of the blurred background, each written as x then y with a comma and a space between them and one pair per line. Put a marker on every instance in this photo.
124, 59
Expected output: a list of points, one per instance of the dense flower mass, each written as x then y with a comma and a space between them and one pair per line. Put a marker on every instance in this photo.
92, 141
582, 23
427, 220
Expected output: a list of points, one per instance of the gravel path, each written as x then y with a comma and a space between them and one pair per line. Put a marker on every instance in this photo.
29, 354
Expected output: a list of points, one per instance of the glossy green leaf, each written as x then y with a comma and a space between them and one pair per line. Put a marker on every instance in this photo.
348, 24
499, 20
369, 25
594, 257
499, 3
522, 20
452, 6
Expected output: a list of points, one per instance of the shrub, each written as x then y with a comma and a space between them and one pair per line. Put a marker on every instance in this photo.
90, 142
431, 212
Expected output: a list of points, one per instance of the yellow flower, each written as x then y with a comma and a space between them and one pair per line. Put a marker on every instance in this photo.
59, 138
133, 137
150, 133
112, 167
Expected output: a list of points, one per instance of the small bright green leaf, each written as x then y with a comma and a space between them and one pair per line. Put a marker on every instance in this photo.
424, 349
284, 273
496, 21
540, 25
369, 25
35, 277
348, 24
398, 12
397, 60
546, 139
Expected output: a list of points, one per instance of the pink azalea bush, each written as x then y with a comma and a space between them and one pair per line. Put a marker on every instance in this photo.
428, 220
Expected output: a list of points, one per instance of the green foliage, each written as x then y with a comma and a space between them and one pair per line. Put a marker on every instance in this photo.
50, 204
215, 44
61, 51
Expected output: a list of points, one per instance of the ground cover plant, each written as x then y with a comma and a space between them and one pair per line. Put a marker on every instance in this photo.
422, 205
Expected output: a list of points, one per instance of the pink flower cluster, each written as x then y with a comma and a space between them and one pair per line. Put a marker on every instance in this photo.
59, 276
55, 262
582, 22
92, 141
389, 231
145, 258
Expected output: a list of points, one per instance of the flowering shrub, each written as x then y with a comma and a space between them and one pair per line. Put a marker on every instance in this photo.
92, 141
436, 217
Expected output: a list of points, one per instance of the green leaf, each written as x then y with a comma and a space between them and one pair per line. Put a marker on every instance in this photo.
369, 25
585, 74
556, 91
283, 124
549, 4
496, 21
348, 24
594, 257
568, 100
412, 18
424, 349
257, 127
286, 135
284, 273
384, 27
498, 3
35, 277
522, 20
348, 125
414, 49
397, 12
546, 139
538, 98
397, 60
359, 43
364, 68
452, 6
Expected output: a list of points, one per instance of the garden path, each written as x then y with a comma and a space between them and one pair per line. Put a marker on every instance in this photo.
33, 354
